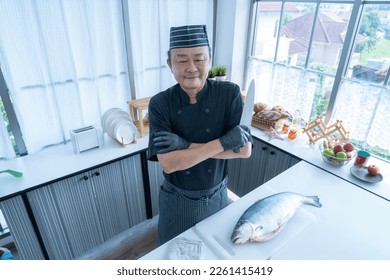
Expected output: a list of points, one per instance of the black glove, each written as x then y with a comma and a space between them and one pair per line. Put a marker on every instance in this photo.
169, 142
237, 137
244, 127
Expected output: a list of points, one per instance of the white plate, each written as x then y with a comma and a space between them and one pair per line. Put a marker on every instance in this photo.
125, 132
107, 113
361, 173
113, 118
110, 127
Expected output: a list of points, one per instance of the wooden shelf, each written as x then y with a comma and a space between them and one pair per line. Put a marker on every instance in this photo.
136, 107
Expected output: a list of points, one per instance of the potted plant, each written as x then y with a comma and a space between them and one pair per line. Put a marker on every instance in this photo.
221, 73
212, 73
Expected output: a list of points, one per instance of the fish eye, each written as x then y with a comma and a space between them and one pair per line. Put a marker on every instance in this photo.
259, 228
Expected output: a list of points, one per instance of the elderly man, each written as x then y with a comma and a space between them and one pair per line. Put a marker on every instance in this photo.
194, 129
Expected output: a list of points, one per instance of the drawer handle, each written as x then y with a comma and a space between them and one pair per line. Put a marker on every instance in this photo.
85, 177
264, 148
272, 153
97, 173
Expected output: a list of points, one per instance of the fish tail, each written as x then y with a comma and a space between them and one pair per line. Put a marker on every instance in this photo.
313, 200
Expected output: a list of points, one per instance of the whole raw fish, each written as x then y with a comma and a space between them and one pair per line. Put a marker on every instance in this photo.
264, 219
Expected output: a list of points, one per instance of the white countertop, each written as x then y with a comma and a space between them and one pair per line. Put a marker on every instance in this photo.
60, 161
302, 149
350, 224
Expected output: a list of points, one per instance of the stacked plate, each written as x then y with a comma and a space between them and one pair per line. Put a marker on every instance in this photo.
118, 125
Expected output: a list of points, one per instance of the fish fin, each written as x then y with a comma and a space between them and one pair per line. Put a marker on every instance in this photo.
314, 200
268, 236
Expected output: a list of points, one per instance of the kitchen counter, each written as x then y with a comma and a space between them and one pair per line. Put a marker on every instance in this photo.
302, 149
350, 224
60, 161
346, 199
38, 168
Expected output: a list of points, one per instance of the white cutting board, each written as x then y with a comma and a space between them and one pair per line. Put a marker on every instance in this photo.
217, 229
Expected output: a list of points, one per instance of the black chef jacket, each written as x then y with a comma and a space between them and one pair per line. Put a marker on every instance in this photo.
218, 109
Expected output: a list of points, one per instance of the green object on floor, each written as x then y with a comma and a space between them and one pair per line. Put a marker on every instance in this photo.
12, 172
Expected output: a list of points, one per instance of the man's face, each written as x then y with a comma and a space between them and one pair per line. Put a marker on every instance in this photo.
190, 66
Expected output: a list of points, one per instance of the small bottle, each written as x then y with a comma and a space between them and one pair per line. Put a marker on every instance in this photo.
292, 134
295, 129
297, 118
285, 128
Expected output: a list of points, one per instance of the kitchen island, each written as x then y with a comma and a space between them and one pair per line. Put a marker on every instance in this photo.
351, 224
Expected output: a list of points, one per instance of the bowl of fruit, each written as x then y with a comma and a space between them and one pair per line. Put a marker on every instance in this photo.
337, 154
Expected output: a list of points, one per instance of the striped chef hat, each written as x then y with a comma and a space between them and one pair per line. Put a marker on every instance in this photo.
188, 36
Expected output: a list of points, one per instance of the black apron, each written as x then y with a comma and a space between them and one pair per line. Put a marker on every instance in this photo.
181, 209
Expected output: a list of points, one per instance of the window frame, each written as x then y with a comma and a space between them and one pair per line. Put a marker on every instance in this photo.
358, 9
130, 57
13, 122
352, 31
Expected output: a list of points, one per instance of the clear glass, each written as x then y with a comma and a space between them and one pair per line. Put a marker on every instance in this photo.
328, 38
300, 75
266, 29
297, 25
292, 87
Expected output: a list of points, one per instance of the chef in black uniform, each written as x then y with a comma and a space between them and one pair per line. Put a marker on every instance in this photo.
194, 130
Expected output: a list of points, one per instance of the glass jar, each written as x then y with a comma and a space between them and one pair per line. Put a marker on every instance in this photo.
285, 128
292, 133
362, 158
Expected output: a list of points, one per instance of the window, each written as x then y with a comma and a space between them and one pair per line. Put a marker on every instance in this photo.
63, 66
149, 29
328, 58
8, 148
64, 63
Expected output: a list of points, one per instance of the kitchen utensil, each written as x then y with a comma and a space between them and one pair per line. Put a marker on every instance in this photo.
111, 120
361, 173
110, 127
247, 112
14, 173
107, 114
125, 132
215, 231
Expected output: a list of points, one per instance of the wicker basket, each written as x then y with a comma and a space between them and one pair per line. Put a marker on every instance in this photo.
266, 124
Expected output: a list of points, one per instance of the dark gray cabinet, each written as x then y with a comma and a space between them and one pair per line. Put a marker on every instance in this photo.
75, 214
24, 236
265, 163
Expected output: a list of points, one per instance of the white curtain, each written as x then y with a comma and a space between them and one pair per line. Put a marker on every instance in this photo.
64, 63
150, 21
364, 110
289, 87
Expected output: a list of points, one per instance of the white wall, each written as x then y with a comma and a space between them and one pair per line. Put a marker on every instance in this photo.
231, 37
